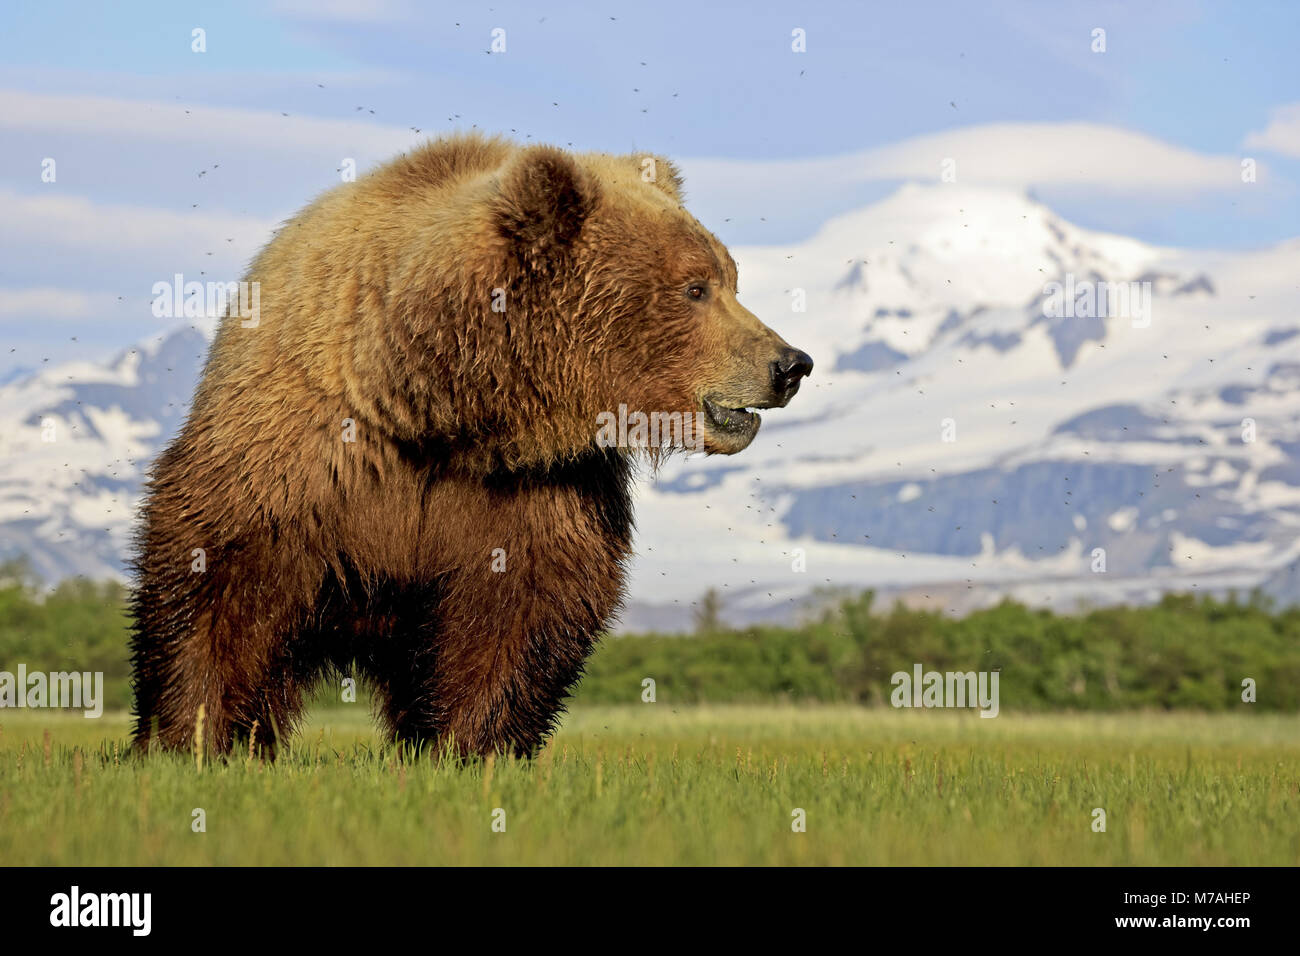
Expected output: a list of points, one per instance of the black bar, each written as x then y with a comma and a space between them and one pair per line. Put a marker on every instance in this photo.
977, 906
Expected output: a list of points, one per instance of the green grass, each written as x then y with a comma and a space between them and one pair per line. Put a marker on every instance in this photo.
651, 784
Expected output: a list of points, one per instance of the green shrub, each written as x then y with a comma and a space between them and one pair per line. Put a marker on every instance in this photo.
1185, 652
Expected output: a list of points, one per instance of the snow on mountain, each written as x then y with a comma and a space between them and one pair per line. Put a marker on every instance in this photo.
953, 434
77, 441
971, 429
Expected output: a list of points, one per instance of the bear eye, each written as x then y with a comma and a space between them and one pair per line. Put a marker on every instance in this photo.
697, 290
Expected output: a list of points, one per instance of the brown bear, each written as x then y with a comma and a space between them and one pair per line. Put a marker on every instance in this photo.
394, 468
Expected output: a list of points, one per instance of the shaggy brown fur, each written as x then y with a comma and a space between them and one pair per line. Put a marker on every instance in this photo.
474, 431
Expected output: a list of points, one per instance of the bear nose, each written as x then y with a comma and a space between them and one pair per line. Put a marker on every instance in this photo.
788, 369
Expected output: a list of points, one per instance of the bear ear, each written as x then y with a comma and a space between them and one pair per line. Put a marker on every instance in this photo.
661, 173
544, 197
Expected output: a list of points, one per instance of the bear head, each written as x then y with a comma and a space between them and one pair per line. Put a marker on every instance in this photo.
607, 299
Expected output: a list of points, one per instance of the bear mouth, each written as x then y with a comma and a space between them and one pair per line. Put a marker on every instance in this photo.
733, 421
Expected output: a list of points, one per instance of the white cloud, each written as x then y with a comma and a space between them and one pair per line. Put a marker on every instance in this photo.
1001, 154
45, 302
1282, 135
253, 129
76, 221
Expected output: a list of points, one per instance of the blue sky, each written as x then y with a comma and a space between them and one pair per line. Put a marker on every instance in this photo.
1181, 94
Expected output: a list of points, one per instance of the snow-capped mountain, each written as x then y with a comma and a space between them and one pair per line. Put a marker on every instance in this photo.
967, 434
1003, 402
76, 446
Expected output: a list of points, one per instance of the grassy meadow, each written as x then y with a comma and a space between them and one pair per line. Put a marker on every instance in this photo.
1138, 711
656, 784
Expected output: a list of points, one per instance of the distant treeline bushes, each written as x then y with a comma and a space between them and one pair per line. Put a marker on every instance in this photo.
1184, 652
80, 626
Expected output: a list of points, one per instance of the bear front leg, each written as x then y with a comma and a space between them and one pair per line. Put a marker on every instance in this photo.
210, 645
506, 663
480, 678
529, 568
504, 692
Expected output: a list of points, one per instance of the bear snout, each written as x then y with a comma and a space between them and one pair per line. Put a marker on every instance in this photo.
787, 371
